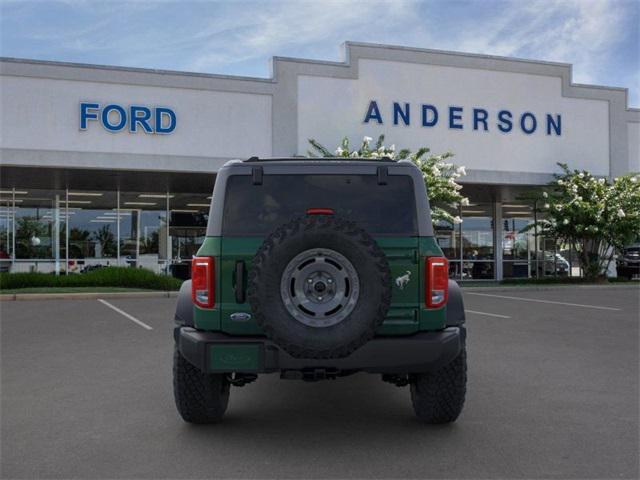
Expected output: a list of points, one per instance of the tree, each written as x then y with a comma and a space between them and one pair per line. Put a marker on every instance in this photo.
440, 176
595, 216
105, 237
29, 231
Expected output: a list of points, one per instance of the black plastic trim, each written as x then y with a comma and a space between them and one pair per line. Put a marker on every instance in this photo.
184, 308
455, 306
421, 352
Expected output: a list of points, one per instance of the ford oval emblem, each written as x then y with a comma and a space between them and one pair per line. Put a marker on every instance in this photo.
240, 317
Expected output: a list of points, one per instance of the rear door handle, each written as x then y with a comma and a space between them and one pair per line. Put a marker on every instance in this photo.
239, 281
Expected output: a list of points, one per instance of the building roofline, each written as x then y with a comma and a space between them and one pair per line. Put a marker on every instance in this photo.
345, 63
117, 68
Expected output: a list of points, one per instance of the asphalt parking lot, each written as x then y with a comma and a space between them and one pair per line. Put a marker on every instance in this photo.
552, 393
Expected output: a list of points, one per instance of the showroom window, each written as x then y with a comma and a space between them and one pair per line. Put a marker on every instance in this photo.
144, 229
75, 230
518, 240
477, 242
91, 231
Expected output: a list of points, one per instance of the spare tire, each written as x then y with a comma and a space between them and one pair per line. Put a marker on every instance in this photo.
319, 286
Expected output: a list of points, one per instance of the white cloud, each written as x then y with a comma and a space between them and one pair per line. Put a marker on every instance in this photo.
581, 32
278, 25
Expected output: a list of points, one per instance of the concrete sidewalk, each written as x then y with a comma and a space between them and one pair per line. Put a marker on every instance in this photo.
85, 295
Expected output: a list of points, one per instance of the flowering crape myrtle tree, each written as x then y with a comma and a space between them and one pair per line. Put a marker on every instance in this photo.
595, 216
439, 175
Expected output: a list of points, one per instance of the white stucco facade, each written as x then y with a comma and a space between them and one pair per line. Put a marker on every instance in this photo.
219, 117
106, 165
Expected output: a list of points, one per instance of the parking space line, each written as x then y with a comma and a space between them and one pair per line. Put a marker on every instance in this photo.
487, 314
524, 299
125, 314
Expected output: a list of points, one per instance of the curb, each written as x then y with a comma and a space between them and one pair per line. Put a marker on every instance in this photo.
511, 288
84, 296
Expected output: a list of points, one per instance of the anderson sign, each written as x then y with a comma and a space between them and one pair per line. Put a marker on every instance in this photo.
461, 118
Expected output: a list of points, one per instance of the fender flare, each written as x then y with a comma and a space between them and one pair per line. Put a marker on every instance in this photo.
184, 308
455, 306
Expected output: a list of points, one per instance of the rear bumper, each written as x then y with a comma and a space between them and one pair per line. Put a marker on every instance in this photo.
216, 352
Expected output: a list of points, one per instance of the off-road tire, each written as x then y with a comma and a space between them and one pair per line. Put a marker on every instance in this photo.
200, 397
302, 234
438, 397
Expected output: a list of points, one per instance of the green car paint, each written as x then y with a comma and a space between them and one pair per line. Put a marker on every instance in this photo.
406, 257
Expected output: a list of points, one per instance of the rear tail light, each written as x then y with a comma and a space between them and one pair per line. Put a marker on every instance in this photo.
436, 281
203, 281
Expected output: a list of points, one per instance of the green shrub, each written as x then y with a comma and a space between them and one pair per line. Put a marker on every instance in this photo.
101, 277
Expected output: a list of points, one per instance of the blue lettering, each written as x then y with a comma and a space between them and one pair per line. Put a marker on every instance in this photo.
425, 115
86, 114
373, 112
455, 113
139, 115
105, 118
399, 112
480, 116
523, 123
162, 112
556, 125
505, 124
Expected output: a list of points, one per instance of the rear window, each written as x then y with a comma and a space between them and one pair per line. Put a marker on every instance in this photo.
380, 209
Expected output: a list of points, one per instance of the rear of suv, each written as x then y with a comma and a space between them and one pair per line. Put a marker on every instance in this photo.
317, 269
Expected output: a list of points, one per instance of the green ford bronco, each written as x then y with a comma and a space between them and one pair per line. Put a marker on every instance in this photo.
317, 269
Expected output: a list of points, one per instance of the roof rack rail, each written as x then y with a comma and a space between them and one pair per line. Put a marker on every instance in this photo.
328, 159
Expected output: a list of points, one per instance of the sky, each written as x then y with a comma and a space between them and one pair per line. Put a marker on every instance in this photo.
601, 38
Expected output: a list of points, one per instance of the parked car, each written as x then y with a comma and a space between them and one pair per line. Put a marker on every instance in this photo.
628, 263
553, 264
317, 269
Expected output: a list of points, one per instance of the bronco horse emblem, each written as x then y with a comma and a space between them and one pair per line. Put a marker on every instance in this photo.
402, 280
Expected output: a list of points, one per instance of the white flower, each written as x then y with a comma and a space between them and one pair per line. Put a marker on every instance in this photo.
621, 213
560, 182
558, 207
452, 181
392, 147
381, 149
461, 170
546, 205
574, 188
457, 220
354, 155
374, 155
565, 221
634, 179
464, 202
339, 152
367, 139
579, 198
601, 181
581, 175
435, 170
545, 194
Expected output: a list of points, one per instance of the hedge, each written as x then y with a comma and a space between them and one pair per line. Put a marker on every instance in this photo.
102, 277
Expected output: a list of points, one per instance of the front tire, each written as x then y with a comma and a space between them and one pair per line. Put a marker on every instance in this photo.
438, 397
200, 397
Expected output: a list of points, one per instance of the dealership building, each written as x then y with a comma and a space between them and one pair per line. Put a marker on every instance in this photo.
107, 165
